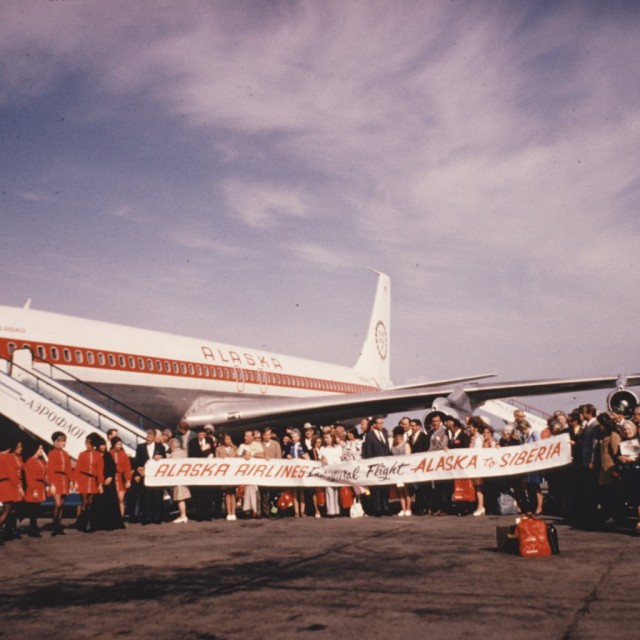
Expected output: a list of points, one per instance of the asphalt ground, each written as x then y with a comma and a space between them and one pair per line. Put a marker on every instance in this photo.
426, 577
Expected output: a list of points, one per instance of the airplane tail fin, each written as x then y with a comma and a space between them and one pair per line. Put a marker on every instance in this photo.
374, 358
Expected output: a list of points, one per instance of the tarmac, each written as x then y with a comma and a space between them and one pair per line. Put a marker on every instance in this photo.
418, 577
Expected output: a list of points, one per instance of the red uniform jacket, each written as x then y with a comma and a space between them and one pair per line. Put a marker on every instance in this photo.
123, 468
35, 471
60, 471
89, 471
10, 478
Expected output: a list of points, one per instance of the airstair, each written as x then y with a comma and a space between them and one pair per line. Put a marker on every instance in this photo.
41, 405
503, 411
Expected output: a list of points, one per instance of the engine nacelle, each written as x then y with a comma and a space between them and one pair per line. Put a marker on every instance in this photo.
622, 401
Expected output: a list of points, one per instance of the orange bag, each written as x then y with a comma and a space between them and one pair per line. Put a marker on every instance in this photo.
533, 540
285, 501
322, 500
346, 497
463, 490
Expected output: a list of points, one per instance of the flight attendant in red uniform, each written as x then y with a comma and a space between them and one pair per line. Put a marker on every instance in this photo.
11, 488
123, 470
35, 472
60, 478
89, 475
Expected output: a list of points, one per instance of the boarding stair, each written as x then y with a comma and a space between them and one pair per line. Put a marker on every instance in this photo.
41, 404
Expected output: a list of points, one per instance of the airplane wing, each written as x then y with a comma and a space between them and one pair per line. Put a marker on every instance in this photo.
329, 408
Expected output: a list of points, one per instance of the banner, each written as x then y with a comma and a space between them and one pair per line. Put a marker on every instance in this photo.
417, 467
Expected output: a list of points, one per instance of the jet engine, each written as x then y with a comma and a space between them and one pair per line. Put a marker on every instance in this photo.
622, 401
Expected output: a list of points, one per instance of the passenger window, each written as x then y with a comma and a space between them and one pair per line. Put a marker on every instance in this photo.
132, 362
122, 362
42, 353
55, 355
100, 359
141, 363
90, 357
112, 360
79, 356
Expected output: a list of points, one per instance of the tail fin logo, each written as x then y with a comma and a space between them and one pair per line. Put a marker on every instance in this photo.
381, 339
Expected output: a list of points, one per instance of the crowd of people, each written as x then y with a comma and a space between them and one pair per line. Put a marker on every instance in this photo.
600, 488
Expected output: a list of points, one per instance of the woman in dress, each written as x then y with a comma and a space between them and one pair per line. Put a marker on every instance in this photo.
11, 488
89, 476
533, 480
60, 477
318, 498
106, 514
124, 472
35, 472
295, 450
476, 427
401, 448
628, 460
331, 453
228, 450
180, 493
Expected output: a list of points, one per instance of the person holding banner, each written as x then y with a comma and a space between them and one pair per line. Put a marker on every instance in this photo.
292, 451
249, 449
331, 453
476, 427
227, 449
376, 444
534, 479
401, 447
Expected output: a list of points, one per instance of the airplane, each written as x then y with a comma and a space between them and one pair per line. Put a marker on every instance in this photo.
173, 378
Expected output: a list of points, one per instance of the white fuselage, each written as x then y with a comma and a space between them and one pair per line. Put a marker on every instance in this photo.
163, 375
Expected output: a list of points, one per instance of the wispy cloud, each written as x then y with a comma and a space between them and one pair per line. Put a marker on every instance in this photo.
262, 205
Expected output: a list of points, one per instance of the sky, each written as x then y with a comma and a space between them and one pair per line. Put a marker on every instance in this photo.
231, 171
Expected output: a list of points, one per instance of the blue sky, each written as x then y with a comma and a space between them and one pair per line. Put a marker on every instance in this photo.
228, 170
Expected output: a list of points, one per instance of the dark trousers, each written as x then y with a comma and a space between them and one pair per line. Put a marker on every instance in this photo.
152, 504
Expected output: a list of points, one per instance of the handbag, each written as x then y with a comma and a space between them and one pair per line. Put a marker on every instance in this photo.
346, 497
507, 506
285, 501
356, 510
463, 490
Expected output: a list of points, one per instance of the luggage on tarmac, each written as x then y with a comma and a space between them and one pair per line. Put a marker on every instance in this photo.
533, 538
529, 537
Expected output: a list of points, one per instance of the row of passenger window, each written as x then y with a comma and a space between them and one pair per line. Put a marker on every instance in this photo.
172, 367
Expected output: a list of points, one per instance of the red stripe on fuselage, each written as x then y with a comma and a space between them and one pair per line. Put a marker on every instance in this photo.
82, 357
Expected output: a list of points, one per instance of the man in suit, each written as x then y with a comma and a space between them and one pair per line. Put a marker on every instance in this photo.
376, 444
419, 443
202, 446
152, 449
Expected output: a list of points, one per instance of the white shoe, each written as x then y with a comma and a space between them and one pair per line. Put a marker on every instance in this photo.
479, 512
180, 520
401, 514
230, 517
408, 513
